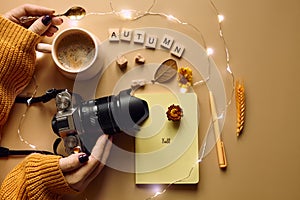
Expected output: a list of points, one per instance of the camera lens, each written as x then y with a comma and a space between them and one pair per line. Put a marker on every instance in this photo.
114, 114
129, 111
96, 116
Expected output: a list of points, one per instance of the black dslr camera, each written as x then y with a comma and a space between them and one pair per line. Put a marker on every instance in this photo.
81, 124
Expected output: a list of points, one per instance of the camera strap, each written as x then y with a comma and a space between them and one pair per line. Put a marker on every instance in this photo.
49, 95
5, 152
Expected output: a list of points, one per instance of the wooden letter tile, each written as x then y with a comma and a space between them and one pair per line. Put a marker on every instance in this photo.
139, 36
177, 50
126, 34
167, 41
114, 34
151, 41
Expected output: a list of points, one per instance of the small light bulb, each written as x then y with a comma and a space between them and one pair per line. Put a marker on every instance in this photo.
183, 90
171, 17
229, 70
209, 51
32, 146
220, 18
157, 191
157, 194
126, 14
39, 54
73, 23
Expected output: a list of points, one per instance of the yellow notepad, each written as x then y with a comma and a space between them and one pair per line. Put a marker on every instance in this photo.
166, 151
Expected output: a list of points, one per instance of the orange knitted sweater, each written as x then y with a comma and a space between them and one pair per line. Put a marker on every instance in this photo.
17, 59
38, 176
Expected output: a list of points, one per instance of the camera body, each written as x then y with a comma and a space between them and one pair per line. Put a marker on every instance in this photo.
81, 124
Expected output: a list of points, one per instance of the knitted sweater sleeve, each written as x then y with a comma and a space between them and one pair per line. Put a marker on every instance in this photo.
17, 63
38, 177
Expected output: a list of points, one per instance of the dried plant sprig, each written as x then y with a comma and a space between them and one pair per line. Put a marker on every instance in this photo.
185, 77
240, 106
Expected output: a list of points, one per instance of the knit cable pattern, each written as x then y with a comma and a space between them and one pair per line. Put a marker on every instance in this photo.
38, 177
17, 63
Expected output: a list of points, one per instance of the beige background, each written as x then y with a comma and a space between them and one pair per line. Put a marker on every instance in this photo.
263, 38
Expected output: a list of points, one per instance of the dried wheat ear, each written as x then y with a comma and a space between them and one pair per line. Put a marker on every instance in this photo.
240, 106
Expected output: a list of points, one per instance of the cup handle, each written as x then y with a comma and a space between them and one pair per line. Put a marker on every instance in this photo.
44, 48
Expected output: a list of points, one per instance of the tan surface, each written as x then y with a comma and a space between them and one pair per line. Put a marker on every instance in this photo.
264, 38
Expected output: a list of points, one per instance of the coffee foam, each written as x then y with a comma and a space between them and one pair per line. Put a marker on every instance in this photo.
76, 51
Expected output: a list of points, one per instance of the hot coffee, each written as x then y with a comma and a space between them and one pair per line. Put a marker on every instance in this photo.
76, 51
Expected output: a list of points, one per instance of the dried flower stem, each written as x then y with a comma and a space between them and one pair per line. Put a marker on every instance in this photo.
240, 106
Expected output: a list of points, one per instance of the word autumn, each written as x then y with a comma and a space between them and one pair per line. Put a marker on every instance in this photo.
149, 40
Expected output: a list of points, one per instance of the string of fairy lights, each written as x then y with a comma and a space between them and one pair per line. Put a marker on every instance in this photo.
134, 15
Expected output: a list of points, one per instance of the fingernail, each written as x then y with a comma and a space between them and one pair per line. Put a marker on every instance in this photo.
55, 27
83, 158
46, 20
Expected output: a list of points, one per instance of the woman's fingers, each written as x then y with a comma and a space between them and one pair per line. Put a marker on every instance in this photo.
36, 10
99, 147
77, 178
50, 31
79, 175
73, 162
106, 151
56, 21
41, 25
27, 10
103, 161
100, 151
46, 25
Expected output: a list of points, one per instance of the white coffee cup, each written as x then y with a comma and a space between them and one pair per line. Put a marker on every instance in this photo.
74, 51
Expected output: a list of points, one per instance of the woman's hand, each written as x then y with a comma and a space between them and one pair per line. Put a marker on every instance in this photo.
79, 169
45, 25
